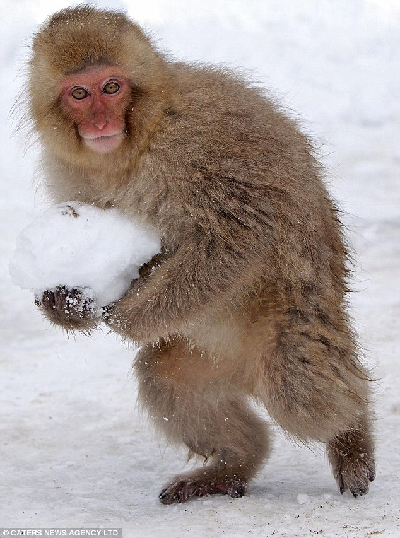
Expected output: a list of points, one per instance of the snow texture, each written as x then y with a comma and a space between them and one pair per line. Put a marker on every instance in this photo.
74, 449
82, 246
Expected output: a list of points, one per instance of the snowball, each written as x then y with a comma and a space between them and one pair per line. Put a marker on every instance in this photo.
82, 246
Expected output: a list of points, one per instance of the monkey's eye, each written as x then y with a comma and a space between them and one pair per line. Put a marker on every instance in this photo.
111, 87
79, 93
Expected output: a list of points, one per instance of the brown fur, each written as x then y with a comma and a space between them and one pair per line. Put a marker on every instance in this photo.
248, 298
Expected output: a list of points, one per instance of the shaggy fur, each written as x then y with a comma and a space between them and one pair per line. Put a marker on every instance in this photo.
248, 297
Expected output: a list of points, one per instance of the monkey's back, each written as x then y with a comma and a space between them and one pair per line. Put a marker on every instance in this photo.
243, 171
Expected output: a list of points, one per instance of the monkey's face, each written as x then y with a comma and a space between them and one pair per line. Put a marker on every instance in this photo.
96, 100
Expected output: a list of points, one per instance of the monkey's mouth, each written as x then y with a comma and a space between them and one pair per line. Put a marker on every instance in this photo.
104, 144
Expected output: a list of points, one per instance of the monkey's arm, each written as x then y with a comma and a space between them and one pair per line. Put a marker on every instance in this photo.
199, 274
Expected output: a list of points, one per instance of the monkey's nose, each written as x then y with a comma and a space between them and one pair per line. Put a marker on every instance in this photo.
100, 123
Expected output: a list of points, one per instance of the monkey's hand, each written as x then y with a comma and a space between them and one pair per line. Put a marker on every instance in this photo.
70, 308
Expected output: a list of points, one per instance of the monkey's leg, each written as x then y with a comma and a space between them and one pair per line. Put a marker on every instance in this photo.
182, 392
314, 387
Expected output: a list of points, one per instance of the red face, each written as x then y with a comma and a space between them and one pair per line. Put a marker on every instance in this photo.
96, 100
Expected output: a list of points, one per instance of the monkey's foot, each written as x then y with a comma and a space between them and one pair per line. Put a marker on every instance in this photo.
184, 488
352, 460
354, 475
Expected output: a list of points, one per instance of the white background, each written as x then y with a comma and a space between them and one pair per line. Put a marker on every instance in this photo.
74, 448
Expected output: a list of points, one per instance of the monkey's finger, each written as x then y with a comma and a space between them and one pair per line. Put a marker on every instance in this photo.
48, 300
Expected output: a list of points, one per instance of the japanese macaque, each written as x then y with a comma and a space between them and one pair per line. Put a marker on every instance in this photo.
247, 300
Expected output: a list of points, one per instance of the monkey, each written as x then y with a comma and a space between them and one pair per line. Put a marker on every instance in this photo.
247, 302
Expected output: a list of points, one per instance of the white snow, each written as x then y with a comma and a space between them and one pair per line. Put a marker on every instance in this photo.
82, 246
74, 449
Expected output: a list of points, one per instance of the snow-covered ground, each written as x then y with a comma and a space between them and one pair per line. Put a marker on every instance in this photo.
74, 449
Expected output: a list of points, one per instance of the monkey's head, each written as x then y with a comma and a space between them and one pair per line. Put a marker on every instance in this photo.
96, 83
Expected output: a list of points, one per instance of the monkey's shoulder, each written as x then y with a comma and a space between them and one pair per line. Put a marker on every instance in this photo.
223, 93
223, 114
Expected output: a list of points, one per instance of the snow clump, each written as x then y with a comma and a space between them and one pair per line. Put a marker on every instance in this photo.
85, 247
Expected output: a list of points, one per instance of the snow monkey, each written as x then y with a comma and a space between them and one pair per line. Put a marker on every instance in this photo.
247, 300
